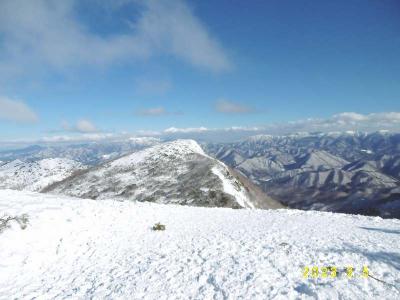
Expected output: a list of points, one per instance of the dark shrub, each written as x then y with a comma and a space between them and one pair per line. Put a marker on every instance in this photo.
158, 227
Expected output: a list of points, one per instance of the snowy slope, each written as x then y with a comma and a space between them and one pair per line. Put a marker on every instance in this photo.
177, 172
36, 175
85, 249
342, 172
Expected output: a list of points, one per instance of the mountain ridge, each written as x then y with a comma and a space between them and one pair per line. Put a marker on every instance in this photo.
342, 172
176, 172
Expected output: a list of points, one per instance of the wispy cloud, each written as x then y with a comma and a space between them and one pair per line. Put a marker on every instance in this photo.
156, 112
82, 126
347, 121
185, 130
16, 111
171, 26
229, 107
85, 126
148, 133
46, 34
83, 137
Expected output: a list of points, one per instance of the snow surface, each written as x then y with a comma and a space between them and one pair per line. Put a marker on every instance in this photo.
36, 175
229, 187
177, 147
85, 249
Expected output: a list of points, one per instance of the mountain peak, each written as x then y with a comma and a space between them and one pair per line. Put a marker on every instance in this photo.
174, 148
182, 145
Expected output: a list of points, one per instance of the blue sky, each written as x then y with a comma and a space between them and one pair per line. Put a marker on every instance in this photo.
98, 67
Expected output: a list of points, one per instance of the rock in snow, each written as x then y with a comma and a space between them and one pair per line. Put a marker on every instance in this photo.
85, 249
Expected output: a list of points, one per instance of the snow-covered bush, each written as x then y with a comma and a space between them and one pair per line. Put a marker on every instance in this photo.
6, 220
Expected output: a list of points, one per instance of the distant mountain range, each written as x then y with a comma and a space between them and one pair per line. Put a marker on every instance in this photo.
91, 153
342, 172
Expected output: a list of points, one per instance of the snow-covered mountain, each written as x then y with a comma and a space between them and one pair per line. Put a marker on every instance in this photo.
177, 172
36, 175
87, 153
84, 249
345, 172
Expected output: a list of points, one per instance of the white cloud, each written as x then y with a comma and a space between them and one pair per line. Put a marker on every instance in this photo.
242, 128
205, 129
211, 134
349, 117
228, 107
172, 27
157, 111
148, 133
46, 33
16, 111
85, 126
93, 137
82, 126
343, 122
387, 118
185, 130
77, 138
347, 121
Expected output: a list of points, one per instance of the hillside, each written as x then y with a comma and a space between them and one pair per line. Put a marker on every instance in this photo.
177, 172
36, 175
82, 249
342, 172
